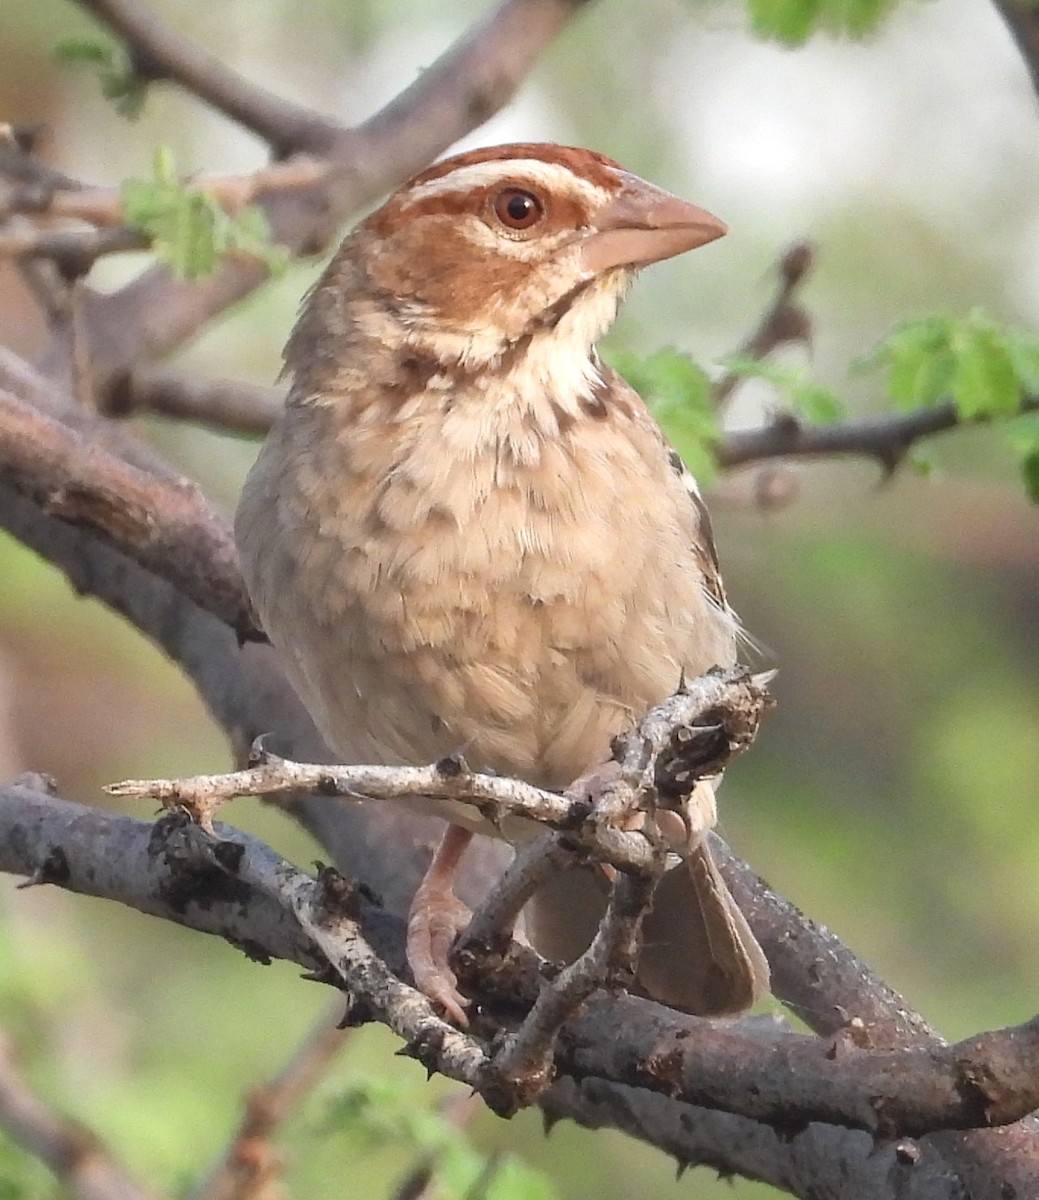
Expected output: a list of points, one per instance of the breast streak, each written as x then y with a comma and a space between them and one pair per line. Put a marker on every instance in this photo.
516, 619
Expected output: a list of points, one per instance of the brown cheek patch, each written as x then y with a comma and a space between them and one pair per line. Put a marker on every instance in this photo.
433, 262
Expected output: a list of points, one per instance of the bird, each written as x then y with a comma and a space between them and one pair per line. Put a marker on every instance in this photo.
467, 533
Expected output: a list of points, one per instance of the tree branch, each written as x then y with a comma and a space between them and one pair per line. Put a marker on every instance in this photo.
784, 320
165, 525
238, 888
886, 439
158, 52
226, 405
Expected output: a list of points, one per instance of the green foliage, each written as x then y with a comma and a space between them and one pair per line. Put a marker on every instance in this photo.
988, 371
189, 230
387, 1114
793, 22
801, 392
679, 393
984, 368
119, 82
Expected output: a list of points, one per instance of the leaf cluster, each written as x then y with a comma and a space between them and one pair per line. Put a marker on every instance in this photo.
189, 231
793, 22
990, 372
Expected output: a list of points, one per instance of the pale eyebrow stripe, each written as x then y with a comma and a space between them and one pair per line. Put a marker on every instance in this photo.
548, 175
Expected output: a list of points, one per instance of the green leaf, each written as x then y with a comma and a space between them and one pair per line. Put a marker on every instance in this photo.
189, 230
514, 1180
93, 51
919, 361
791, 22
984, 382
119, 82
1024, 354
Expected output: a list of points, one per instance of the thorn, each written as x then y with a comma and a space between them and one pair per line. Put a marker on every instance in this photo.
259, 756
763, 678
54, 869
548, 1122
681, 1166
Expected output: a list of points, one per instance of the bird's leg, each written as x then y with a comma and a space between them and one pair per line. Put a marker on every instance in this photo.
435, 920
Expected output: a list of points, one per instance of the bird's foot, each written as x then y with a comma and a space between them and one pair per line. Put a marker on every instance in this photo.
436, 919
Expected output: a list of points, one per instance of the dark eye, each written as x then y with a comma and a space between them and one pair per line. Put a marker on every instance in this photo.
517, 209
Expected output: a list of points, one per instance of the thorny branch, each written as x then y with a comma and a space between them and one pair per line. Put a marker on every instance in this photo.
887, 439
238, 888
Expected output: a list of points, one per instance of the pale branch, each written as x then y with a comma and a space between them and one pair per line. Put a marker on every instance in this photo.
79, 1159
164, 524
887, 439
157, 51
693, 734
156, 313
247, 1168
103, 207
236, 887
527, 1057
247, 697
783, 322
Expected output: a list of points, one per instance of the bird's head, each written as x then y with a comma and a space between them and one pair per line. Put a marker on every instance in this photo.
490, 247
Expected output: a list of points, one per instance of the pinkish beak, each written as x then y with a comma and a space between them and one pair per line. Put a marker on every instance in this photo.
643, 224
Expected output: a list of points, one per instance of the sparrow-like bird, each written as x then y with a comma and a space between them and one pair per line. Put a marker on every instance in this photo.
466, 533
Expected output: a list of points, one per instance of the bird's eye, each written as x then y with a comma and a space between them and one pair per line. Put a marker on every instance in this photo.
518, 209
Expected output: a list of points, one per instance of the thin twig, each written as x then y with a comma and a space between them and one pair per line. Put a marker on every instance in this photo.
670, 739
103, 207
240, 888
526, 1058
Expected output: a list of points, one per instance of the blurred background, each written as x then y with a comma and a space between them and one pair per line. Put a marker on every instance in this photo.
892, 795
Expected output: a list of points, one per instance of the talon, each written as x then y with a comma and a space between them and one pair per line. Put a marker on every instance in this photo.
436, 919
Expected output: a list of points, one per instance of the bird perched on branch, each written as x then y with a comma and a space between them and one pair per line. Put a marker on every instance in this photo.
467, 533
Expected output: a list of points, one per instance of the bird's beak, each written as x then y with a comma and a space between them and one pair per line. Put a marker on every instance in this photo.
643, 224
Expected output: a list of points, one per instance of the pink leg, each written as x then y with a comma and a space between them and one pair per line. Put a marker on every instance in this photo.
436, 918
